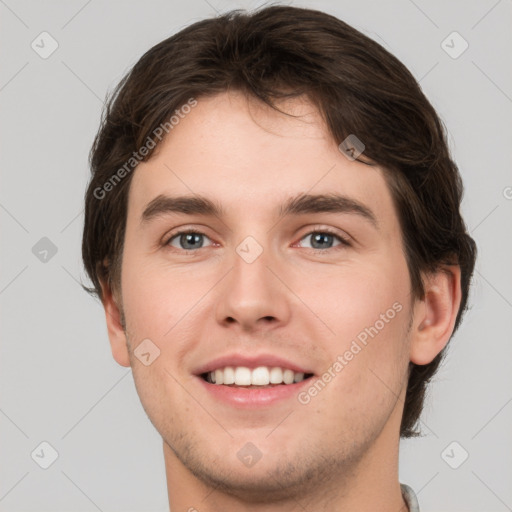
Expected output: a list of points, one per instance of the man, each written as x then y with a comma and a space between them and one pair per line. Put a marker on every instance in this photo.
273, 228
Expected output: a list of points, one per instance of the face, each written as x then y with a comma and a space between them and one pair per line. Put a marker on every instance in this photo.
269, 280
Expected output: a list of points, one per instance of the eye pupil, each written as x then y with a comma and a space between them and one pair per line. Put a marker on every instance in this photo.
189, 238
319, 238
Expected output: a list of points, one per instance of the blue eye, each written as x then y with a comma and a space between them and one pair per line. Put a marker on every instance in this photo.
191, 240
324, 239
188, 240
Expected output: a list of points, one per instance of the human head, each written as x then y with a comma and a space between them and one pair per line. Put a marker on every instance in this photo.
358, 88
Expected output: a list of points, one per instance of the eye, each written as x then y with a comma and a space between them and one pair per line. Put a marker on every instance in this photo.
190, 240
187, 240
322, 240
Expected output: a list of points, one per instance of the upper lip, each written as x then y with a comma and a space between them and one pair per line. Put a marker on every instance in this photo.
252, 362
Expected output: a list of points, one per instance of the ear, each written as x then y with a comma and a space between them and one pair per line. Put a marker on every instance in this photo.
435, 315
116, 334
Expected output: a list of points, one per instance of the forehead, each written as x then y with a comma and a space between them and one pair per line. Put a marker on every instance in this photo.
251, 158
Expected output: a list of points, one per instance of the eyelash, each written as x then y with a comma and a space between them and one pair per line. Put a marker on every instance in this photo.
344, 242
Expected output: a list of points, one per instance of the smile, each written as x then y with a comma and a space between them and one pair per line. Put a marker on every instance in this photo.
259, 376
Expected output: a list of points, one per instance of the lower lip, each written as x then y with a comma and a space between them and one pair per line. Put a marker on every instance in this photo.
253, 397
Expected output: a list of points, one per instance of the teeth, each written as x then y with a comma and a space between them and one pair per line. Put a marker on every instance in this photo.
298, 377
288, 376
276, 376
242, 376
229, 375
260, 376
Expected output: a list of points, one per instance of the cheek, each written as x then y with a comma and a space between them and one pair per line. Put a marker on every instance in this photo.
156, 300
158, 306
352, 300
367, 310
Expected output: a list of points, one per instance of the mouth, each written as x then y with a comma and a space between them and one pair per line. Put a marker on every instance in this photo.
248, 381
261, 377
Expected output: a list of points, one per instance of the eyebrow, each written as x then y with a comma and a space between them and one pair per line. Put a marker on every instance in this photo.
302, 204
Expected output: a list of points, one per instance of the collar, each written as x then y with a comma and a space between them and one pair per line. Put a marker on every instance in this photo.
410, 498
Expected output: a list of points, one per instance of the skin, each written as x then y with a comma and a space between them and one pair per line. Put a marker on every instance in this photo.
340, 451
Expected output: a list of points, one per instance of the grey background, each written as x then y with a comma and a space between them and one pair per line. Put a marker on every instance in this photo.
59, 383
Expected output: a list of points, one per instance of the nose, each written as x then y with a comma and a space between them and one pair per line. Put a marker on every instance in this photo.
253, 294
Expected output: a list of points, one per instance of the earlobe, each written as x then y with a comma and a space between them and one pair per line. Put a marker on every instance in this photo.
116, 332
435, 315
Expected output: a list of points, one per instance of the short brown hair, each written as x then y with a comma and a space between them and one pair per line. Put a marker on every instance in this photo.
358, 87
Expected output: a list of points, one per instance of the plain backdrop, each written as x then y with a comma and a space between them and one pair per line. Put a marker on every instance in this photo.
59, 384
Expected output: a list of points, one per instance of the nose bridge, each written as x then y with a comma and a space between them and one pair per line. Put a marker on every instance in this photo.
251, 293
